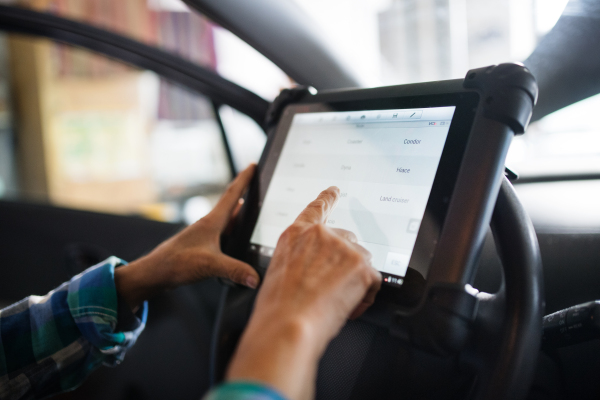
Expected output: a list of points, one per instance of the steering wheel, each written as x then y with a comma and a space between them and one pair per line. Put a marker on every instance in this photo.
501, 353
498, 362
458, 342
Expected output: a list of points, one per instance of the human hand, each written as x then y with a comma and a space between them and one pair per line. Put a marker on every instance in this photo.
317, 278
191, 255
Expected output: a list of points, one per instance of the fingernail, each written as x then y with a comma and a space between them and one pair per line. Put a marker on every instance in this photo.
252, 282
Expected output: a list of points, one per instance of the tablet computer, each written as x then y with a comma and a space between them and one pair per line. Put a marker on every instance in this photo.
395, 160
419, 167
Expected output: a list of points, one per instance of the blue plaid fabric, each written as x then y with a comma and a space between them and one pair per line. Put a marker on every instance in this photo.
243, 391
49, 344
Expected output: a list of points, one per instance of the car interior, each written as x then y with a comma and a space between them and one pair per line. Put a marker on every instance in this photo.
122, 124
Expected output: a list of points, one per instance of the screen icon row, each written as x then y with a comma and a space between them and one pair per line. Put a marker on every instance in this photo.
262, 250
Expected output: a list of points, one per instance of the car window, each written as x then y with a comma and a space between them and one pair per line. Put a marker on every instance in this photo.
89, 132
100, 135
564, 143
390, 42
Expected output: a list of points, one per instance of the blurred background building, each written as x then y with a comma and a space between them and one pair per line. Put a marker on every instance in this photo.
97, 134
445, 37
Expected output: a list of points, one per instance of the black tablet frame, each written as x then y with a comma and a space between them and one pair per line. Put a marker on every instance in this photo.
410, 293
500, 99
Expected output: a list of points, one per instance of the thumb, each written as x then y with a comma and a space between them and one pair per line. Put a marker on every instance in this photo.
237, 271
221, 214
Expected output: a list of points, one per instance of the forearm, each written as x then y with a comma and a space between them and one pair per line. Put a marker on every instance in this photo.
281, 354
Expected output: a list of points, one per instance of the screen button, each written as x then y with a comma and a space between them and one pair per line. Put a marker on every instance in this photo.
396, 263
413, 225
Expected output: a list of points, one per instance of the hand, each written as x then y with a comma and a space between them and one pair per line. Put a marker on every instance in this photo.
318, 277
191, 255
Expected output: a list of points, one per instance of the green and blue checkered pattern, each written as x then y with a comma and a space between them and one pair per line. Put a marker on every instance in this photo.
243, 391
49, 344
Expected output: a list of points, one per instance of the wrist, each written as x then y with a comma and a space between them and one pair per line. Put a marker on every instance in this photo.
140, 280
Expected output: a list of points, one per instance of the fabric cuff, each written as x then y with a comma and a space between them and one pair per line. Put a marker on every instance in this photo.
243, 390
94, 304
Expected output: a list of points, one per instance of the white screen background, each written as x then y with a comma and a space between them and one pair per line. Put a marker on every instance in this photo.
384, 163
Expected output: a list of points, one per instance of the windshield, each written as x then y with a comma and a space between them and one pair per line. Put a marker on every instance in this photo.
385, 42
390, 42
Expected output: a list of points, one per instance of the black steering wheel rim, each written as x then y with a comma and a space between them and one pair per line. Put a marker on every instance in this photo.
508, 327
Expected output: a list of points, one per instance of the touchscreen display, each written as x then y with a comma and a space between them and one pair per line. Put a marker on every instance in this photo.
384, 163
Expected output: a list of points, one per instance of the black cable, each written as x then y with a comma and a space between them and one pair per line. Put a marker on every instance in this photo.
214, 341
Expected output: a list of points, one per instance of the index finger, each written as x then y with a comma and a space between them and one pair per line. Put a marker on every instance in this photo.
319, 209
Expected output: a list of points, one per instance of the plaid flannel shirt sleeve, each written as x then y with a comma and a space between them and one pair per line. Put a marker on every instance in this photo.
49, 344
241, 390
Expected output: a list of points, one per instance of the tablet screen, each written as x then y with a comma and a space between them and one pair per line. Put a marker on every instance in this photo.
383, 161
